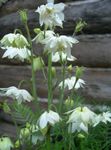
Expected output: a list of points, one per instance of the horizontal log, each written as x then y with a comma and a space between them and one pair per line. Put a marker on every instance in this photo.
7, 129
97, 80
9, 6
96, 13
14, 6
91, 51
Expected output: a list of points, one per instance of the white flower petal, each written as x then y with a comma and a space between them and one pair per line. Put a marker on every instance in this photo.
51, 14
80, 118
84, 127
20, 95
50, 1
19, 53
50, 118
43, 120
59, 7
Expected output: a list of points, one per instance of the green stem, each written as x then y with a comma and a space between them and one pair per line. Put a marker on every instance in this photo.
32, 66
62, 90
49, 80
48, 141
72, 92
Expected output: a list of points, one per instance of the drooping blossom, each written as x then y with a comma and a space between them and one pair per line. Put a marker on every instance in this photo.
70, 82
20, 95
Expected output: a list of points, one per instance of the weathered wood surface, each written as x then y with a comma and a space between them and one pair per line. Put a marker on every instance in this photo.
13, 6
91, 51
7, 129
98, 81
96, 13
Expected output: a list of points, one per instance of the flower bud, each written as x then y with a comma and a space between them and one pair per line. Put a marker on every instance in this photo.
81, 136
17, 144
24, 133
28, 125
80, 25
53, 69
69, 68
79, 72
37, 30
38, 63
69, 103
23, 16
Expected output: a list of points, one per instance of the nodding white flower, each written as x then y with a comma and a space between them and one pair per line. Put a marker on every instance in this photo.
70, 82
15, 46
51, 14
5, 143
60, 43
50, 118
104, 117
14, 40
43, 35
19, 53
58, 56
20, 95
80, 118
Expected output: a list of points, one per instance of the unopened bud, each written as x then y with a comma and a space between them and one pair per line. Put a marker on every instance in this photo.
23, 16
37, 30
80, 25
69, 103
81, 136
24, 133
53, 69
17, 144
38, 63
28, 125
70, 68
79, 72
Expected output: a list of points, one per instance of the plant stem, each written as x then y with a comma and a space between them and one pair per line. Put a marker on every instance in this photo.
49, 80
72, 92
62, 90
32, 67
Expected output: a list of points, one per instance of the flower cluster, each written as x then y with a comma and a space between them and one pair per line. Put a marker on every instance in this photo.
57, 48
16, 46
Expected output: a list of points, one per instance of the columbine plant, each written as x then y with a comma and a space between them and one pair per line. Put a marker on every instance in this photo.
53, 128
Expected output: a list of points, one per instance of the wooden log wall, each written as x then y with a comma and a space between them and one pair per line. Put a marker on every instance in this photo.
93, 52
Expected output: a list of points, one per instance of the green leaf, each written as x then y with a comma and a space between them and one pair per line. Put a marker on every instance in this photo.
6, 108
23, 114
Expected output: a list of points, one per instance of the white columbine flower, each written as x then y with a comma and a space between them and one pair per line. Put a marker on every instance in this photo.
15, 46
5, 143
14, 40
51, 14
50, 118
43, 35
61, 56
19, 53
80, 118
70, 82
104, 117
20, 95
60, 43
